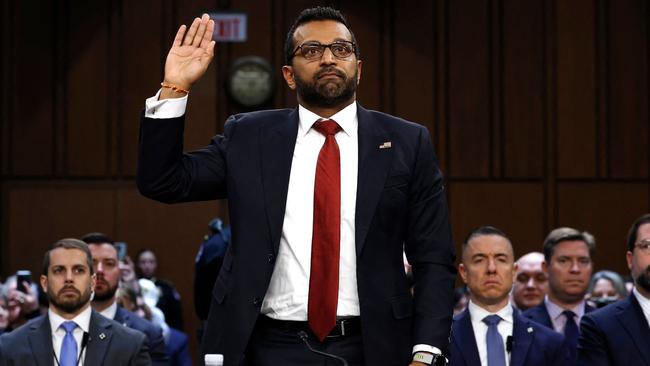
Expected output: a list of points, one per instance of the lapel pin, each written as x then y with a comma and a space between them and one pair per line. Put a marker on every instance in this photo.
386, 145
530, 329
102, 335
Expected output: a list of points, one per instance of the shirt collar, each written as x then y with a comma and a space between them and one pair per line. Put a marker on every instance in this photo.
82, 319
555, 310
346, 118
643, 301
477, 313
110, 311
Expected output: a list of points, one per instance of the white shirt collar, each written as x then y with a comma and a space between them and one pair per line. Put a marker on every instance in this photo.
644, 302
110, 311
346, 118
555, 310
82, 319
477, 313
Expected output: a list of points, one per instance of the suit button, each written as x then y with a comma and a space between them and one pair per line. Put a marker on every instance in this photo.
271, 258
257, 301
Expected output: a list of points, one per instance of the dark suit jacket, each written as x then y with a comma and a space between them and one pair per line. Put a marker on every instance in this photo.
109, 344
617, 334
400, 202
178, 348
532, 343
155, 340
540, 315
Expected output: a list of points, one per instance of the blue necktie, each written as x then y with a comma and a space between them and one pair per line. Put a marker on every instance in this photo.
68, 354
571, 331
495, 352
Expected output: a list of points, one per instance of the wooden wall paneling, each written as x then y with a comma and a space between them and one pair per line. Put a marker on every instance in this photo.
606, 210
6, 59
550, 116
515, 208
523, 88
440, 83
602, 86
628, 94
141, 41
39, 214
88, 99
414, 62
279, 32
366, 23
31, 79
496, 92
576, 89
469, 89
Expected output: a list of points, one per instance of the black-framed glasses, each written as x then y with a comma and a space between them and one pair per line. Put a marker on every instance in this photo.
314, 51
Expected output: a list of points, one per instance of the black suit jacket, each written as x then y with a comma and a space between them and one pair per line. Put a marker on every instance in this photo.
109, 344
155, 340
532, 343
400, 204
540, 315
617, 334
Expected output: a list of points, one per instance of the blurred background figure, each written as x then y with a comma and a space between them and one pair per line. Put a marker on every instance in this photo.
208, 264
170, 300
22, 302
605, 287
531, 282
461, 299
4, 310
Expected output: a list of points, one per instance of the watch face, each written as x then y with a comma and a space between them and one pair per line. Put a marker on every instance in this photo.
250, 82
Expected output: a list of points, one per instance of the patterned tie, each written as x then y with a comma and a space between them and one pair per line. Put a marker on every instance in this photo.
495, 352
325, 246
571, 331
68, 353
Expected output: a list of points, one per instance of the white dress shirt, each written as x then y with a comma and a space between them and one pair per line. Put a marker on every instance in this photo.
558, 319
83, 326
505, 327
110, 311
644, 302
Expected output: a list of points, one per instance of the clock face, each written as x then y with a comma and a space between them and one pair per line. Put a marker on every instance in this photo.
250, 82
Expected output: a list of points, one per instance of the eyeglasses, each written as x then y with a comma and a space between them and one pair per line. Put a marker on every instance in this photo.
314, 51
643, 246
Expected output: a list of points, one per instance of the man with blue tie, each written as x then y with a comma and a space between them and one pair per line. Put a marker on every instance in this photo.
619, 333
71, 333
490, 332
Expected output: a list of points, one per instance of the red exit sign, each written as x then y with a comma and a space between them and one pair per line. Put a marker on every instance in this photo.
229, 27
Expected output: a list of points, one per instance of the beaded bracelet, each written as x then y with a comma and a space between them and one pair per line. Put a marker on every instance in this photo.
175, 88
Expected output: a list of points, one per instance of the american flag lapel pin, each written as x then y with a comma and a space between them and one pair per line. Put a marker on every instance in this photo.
386, 145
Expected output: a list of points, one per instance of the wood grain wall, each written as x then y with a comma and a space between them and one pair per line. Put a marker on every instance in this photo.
538, 109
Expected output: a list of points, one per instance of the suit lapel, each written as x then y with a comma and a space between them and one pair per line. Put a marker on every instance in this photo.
632, 318
374, 164
521, 339
540, 315
100, 337
277, 143
40, 341
465, 338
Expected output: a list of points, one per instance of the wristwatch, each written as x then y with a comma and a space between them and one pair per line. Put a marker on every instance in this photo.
430, 358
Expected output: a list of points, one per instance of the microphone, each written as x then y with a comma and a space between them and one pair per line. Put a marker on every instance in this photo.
509, 343
305, 338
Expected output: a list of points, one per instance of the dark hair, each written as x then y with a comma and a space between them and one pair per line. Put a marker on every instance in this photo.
311, 15
632, 233
481, 231
68, 243
556, 236
97, 238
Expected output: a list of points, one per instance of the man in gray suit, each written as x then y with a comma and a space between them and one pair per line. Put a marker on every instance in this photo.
71, 333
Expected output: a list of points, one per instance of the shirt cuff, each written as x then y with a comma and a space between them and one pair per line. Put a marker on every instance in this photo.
166, 108
427, 348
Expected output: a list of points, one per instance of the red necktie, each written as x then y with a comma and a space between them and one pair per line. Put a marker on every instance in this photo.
325, 246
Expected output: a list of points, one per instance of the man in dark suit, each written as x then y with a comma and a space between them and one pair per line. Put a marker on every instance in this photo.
71, 333
618, 334
323, 200
490, 330
567, 261
107, 272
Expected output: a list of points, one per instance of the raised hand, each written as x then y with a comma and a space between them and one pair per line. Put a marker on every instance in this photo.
190, 54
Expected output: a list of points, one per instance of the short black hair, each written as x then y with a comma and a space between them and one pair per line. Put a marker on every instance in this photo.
311, 15
634, 230
561, 234
68, 243
97, 238
484, 230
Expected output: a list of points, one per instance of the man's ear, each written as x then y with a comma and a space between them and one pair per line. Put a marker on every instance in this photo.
359, 64
43, 281
289, 77
463, 272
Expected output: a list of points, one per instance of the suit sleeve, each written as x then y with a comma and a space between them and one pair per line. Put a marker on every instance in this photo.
141, 353
592, 345
429, 249
157, 349
166, 174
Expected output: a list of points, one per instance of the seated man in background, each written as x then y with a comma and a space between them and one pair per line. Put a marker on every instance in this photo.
71, 331
619, 334
490, 331
531, 282
106, 267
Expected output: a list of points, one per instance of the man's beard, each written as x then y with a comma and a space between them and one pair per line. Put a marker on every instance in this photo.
643, 280
108, 294
326, 94
68, 305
